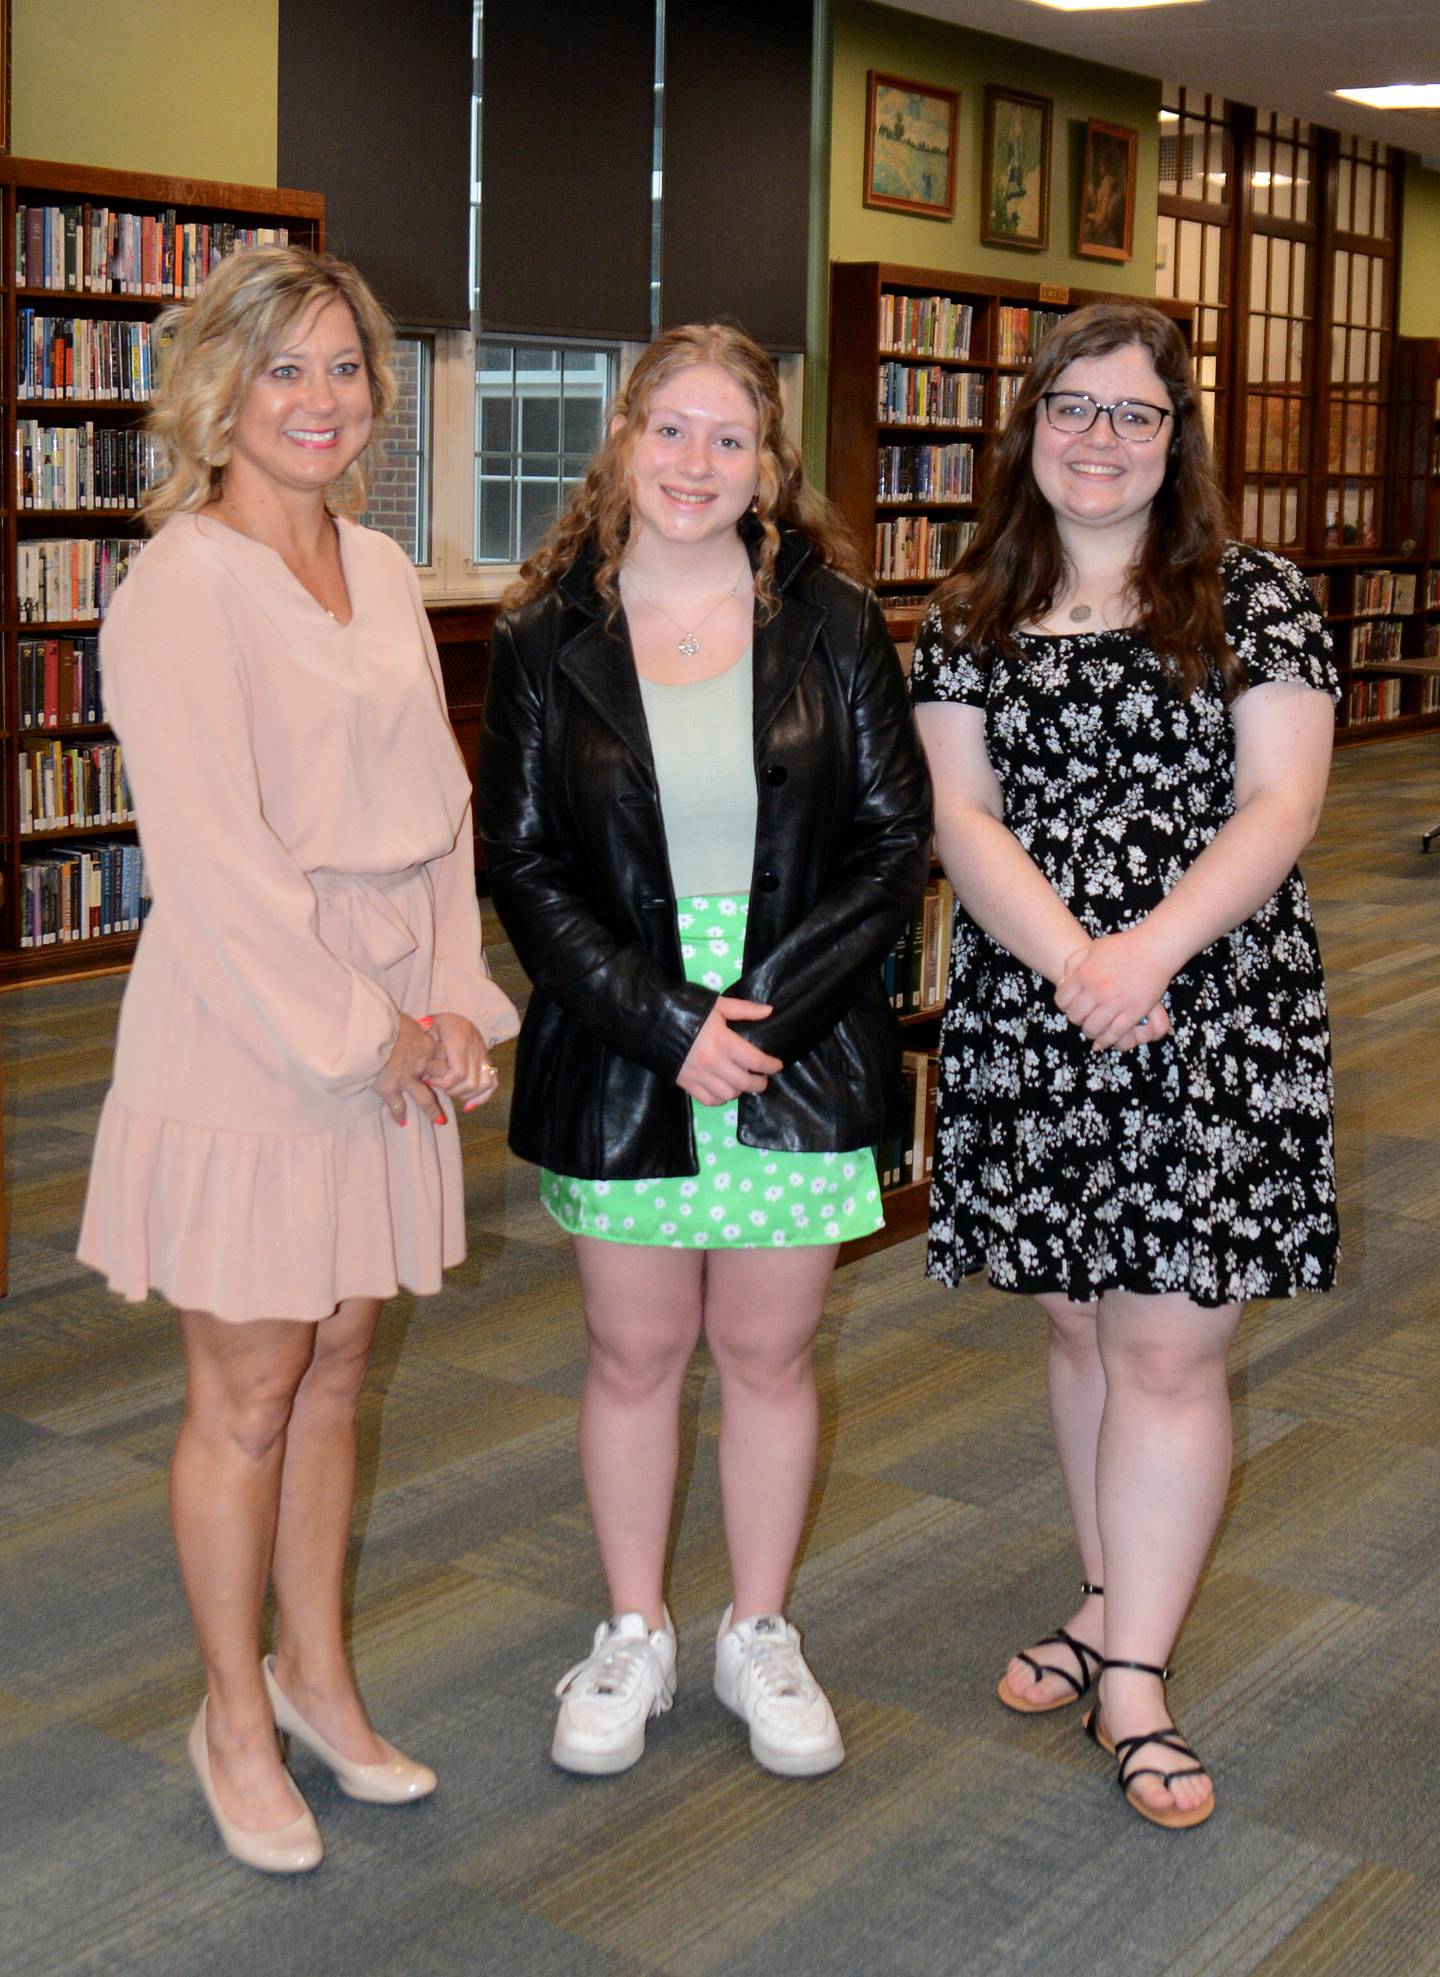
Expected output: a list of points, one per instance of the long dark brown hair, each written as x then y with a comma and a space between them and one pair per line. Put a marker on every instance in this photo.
599, 510
1015, 567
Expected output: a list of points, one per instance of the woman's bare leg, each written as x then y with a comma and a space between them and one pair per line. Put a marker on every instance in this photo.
642, 1319
224, 1501
1162, 1471
1076, 1380
762, 1311
317, 1495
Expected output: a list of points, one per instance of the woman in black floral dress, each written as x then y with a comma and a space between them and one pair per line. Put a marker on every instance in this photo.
1129, 723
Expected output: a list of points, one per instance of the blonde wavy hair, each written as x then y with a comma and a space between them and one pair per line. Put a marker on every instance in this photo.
213, 348
599, 510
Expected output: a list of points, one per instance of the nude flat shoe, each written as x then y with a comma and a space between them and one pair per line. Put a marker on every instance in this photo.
397, 1780
292, 1849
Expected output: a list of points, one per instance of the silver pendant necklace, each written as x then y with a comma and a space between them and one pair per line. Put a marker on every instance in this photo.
689, 641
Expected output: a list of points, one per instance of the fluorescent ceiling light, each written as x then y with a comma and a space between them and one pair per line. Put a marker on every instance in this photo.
1395, 96
1110, 6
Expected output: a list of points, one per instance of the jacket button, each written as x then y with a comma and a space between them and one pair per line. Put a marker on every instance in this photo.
767, 882
776, 774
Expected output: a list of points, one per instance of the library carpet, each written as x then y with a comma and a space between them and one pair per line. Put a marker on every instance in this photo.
957, 1838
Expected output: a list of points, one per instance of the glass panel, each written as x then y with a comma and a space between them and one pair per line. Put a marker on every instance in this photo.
1264, 167
1342, 285
1165, 255
539, 416
1363, 221
1250, 513
1270, 516
1279, 277
1345, 194
1277, 356
1188, 273
1214, 265
1192, 159
1292, 516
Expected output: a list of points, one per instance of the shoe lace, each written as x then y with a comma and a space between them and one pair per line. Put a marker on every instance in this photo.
618, 1669
778, 1671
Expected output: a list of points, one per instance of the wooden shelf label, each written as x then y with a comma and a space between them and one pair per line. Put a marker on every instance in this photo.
1051, 291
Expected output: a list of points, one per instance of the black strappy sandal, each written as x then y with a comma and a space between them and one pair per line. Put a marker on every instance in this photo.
1174, 1818
1084, 1658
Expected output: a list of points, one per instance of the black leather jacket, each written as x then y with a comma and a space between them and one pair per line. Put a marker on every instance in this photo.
570, 813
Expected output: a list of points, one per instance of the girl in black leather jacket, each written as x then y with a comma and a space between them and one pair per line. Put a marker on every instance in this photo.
707, 818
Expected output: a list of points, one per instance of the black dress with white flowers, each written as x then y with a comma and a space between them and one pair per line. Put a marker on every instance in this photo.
1200, 1164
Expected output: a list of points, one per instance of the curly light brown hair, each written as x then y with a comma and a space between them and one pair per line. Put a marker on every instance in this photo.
599, 512
213, 348
1014, 566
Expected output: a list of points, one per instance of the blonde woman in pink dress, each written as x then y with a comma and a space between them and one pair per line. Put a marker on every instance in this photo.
309, 1004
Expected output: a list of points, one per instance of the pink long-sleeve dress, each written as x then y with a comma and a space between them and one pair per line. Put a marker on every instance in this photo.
305, 815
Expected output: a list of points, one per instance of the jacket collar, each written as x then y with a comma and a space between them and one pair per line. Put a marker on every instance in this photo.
599, 662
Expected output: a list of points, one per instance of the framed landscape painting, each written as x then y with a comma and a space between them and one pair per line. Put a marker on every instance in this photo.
1015, 197
1107, 192
910, 146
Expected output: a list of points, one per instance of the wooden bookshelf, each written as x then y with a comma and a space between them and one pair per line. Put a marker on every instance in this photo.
198, 203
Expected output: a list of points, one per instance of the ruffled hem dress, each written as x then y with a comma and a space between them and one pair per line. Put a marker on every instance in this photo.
1202, 1164
305, 816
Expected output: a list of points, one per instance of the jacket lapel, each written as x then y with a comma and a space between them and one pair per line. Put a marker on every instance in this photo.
782, 652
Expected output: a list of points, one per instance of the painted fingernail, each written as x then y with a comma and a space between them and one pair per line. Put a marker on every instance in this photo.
426, 1022
470, 1105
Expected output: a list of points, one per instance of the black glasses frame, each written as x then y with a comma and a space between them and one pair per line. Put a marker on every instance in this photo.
1125, 438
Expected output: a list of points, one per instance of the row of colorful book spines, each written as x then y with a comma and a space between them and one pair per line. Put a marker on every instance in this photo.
925, 325
917, 968
1376, 640
907, 391
914, 546
1373, 700
1378, 591
101, 250
926, 473
908, 1156
82, 357
58, 581
1020, 332
84, 466
64, 788
83, 893
59, 681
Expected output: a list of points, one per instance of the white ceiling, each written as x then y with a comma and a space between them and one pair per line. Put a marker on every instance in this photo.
1275, 54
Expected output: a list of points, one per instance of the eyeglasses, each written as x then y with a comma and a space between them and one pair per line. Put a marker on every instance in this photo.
1131, 419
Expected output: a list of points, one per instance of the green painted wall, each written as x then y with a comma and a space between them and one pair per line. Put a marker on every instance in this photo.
871, 37
186, 87
1420, 252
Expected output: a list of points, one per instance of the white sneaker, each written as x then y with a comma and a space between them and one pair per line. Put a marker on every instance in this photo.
761, 1674
607, 1699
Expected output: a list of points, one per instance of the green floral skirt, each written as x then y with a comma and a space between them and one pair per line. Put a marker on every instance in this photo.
742, 1198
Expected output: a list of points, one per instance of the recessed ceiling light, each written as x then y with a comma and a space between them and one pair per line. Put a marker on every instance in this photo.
1110, 6
1396, 96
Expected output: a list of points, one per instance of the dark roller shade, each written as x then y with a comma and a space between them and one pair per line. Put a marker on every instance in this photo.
737, 165
566, 159
375, 113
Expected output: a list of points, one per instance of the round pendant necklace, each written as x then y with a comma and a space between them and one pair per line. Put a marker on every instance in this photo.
1079, 613
689, 642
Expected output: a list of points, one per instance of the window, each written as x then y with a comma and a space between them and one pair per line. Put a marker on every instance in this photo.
400, 487
539, 415
1194, 236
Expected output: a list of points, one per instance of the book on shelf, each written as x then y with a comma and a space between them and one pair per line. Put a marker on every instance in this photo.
925, 395
1375, 593
72, 786
83, 466
1007, 390
82, 357
908, 1156
925, 325
1319, 582
1376, 641
1432, 590
1373, 700
918, 546
88, 249
1430, 695
72, 578
926, 473
1019, 332
917, 968
59, 682
82, 893
1432, 641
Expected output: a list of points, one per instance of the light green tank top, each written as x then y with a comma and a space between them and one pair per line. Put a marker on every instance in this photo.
702, 738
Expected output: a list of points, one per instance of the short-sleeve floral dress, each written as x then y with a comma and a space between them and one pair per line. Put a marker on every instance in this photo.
1203, 1163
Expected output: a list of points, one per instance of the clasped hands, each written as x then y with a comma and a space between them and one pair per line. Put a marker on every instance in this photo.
721, 1064
1109, 985
443, 1052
